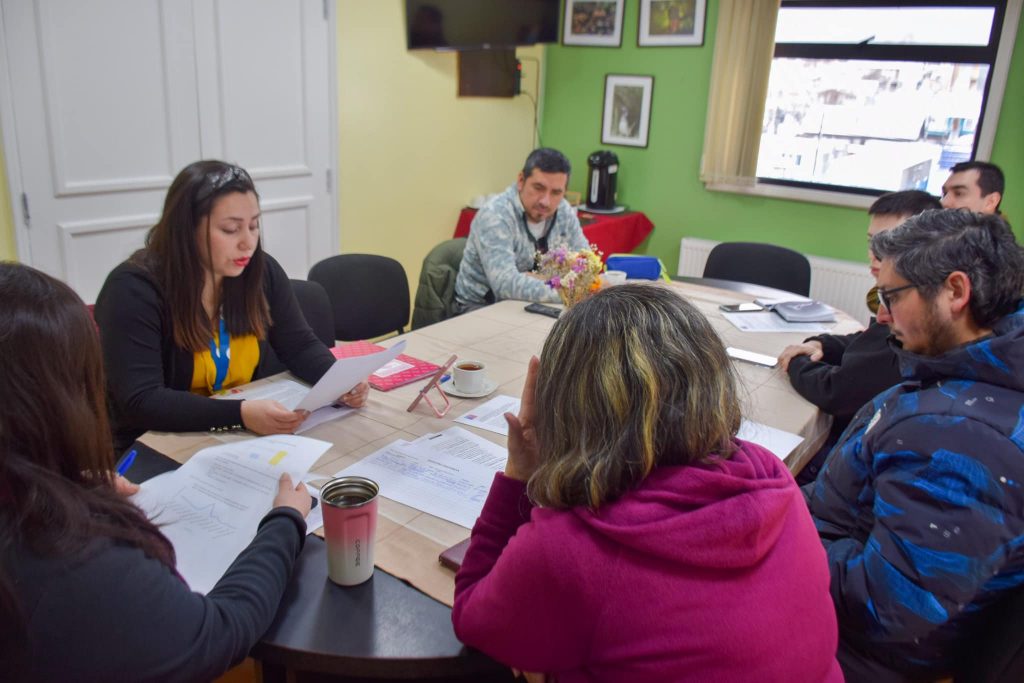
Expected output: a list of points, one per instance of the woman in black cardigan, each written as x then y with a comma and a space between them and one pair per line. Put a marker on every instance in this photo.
191, 315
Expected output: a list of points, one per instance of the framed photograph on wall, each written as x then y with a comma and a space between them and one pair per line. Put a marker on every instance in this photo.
593, 22
671, 22
627, 110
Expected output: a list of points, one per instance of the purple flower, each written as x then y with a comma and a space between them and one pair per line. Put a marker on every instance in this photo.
555, 282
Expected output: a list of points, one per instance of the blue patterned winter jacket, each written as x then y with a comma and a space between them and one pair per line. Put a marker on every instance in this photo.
920, 505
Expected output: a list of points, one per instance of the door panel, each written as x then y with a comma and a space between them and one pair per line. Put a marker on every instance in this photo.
263, 82
111, 98
104, 115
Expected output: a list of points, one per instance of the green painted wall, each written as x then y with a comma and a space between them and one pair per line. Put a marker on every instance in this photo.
662, 180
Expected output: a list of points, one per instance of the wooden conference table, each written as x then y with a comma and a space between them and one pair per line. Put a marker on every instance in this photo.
385, 629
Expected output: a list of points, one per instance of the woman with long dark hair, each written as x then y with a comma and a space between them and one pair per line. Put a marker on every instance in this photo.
88, 590
632, 536
193, 312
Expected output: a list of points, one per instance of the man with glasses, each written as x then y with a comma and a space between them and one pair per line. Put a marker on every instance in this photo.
920, 506
531, 215
974, 185
840, 373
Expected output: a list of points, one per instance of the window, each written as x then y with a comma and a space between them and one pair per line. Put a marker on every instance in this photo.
869, 98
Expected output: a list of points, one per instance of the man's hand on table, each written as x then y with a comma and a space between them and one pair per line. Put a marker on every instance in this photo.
522, 439
809, 348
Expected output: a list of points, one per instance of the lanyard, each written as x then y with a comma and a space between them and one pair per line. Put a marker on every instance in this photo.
221, 356
541, 244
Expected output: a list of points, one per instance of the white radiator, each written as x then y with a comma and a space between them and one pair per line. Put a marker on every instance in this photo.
842, 284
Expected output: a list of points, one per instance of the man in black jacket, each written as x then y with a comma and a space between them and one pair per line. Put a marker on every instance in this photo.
840, 373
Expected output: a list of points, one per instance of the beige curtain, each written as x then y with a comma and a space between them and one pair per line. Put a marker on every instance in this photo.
744, 45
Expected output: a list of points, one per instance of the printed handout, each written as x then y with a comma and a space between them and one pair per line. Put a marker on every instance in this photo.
491, 415
447, 474
210, 507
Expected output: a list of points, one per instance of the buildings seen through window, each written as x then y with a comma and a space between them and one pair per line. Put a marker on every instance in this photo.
875, 98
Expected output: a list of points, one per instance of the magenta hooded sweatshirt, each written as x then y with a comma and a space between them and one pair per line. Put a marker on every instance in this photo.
711, 572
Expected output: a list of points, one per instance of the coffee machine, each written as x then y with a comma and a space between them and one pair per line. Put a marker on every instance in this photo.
602, 172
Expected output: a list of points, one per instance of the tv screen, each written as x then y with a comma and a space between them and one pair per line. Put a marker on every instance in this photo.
476, 24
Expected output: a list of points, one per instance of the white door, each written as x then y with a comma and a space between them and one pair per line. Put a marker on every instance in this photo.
110, 98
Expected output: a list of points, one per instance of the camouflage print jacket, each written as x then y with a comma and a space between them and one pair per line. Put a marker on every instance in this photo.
500, 252
920, 505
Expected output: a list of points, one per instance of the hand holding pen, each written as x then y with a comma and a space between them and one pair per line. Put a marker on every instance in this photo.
122, 485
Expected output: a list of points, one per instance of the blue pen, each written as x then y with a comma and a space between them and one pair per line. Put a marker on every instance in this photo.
127, 462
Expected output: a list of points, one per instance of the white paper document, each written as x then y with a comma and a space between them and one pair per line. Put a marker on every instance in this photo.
767, 321
210, 507
447, 474
287, 392
777, 441
491, 415
345, 374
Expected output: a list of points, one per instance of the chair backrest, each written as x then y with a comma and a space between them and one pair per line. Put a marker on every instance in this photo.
760, 264
369, 294
316, 309
435, 295
996, 652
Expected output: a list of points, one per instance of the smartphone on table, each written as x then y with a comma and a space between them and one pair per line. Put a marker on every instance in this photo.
747, 307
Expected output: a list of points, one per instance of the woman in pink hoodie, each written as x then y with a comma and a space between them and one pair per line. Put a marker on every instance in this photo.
632, 536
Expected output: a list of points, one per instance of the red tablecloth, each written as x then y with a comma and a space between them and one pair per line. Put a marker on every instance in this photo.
615, 234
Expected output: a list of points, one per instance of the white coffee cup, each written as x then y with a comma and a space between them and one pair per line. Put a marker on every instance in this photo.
469, 376
610, 278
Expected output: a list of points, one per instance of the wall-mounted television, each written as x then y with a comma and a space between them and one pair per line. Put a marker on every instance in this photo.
479, 24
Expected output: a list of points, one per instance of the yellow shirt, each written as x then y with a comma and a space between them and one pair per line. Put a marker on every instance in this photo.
243, 357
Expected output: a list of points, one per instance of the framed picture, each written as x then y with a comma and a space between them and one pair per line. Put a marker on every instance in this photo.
593, 22
671, 22
627, 110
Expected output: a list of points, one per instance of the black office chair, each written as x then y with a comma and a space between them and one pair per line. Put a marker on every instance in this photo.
435, 295
760, 264
316, 309
369, 294
996, 653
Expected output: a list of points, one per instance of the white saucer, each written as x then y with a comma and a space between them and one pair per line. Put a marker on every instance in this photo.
449, 388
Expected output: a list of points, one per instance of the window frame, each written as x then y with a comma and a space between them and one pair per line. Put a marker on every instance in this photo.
997, 54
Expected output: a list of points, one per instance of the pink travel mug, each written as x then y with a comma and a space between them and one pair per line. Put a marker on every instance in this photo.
350, 524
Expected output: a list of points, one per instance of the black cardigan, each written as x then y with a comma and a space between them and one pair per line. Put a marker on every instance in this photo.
149, 377
113, 614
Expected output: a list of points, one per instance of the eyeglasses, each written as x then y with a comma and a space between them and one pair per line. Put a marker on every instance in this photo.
217, 180
885, 295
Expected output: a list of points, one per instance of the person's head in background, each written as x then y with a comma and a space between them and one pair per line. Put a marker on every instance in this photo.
893, 208
947, 277
206, 248
631, 379
974, 185
886, 213
542, 183
56, 456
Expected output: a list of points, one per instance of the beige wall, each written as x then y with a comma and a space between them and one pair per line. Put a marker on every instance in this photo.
8, 250
411, 152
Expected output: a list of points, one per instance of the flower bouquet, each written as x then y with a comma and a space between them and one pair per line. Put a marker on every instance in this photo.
575, 275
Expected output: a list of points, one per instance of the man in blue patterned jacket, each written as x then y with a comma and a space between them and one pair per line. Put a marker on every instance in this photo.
921, 504
506, 234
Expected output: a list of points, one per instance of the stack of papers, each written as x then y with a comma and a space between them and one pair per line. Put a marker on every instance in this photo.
210, 507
